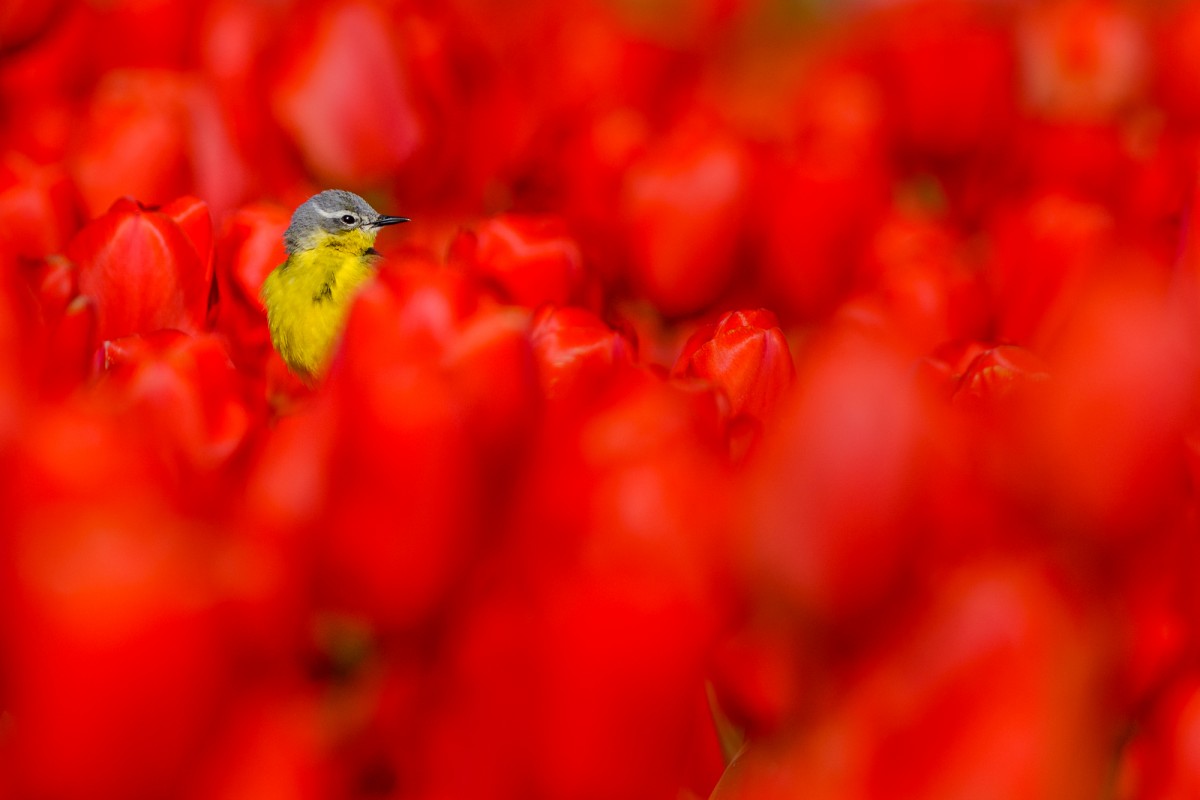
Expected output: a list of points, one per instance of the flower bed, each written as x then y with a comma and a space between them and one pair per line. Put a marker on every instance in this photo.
767, 400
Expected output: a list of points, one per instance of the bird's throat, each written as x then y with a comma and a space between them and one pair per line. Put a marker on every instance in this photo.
355, 242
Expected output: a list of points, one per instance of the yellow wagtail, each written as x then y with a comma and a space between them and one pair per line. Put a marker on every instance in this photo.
330, 253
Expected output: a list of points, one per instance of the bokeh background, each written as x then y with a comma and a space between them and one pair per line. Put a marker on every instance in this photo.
769, 399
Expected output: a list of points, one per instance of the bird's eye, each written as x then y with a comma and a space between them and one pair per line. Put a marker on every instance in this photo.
349, 219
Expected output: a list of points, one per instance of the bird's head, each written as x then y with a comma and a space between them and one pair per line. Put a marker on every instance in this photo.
335, 216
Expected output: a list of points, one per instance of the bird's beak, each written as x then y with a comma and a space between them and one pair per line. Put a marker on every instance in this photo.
384, 219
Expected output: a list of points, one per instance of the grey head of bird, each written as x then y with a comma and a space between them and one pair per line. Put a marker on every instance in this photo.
333, 211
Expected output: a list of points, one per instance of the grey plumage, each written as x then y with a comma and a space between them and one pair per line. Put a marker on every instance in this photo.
331, 211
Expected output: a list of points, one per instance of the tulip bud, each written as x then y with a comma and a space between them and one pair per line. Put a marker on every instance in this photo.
343, 96
531, 260
576, 353
39, 208
143, 271
684, 203
746, 355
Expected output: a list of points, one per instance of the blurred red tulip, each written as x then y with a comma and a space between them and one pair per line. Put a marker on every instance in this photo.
826, 501
1045, 250
576, 353
996, 374
343, 94
424, 387
530, 260
745, 354
683, 204
1081, 59
134, 140
947, 68
917, 724
183, 392
917, 274
152, 34
143, 269
630, 480
815, 206
593, 681
1109, 437
112, 647
39, 208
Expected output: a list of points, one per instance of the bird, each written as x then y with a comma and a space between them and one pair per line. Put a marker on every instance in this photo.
330, 253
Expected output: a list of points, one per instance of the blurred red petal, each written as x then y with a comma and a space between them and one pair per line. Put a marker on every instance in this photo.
22, 21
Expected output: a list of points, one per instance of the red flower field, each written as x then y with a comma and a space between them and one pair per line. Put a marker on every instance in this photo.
769, 399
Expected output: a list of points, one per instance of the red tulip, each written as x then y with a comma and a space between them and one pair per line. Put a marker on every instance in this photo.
183, 392
1081, 59
134, 140
39, 208
577, 355
745, 354
1045, 250
947, 68
915, 722
248, 247
426, 385
917, 276
143, 269
683, 204
996, 374
593, 680
826, 501
112, 646
343, 95
530, 260
1108, 437
815, 203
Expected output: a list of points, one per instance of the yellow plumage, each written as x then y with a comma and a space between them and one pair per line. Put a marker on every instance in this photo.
330, 255
308, 297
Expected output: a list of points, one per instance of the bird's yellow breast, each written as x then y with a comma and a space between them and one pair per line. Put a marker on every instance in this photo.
308, 296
